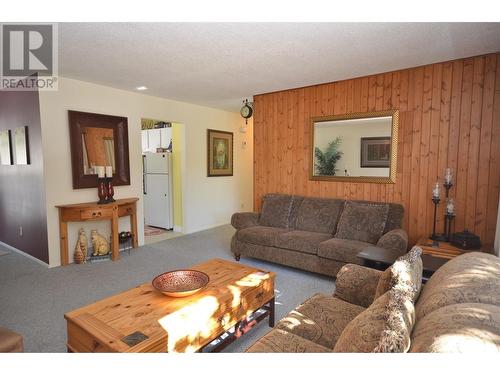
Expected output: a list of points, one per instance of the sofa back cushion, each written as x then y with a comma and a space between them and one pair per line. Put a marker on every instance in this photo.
458, 328
296, 202
394, 217
405, 274
319, 214
385, 326
362, 221
276, 210
469, 278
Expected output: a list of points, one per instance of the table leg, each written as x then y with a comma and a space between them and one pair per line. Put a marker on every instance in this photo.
63, 236
133, 226
271, 313
115, 251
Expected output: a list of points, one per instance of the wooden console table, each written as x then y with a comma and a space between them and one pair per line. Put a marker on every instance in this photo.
92, 211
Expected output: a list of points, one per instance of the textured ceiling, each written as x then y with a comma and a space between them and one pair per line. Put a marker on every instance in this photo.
220, 64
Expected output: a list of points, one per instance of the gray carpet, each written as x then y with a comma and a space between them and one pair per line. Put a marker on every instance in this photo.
33, 299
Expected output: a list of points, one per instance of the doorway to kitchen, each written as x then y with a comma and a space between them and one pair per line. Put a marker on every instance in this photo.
162, 161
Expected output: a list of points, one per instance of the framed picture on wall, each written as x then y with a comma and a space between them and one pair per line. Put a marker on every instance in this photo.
220, 153
5, 148
376, 152
21, 146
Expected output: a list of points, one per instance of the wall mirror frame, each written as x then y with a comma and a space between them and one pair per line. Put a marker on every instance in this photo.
391, 176
78, 122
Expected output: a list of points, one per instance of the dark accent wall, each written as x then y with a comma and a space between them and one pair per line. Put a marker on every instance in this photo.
22, 197
449, 117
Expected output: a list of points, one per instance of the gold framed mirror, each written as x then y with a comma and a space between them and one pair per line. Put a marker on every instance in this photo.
356, 147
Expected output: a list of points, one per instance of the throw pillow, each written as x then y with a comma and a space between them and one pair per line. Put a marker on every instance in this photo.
362, 221
385, 326
276, 210
404, 274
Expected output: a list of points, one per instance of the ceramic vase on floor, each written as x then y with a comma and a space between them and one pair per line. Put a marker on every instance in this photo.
78, 255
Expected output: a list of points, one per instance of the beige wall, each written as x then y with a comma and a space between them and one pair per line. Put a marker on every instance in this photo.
207, 202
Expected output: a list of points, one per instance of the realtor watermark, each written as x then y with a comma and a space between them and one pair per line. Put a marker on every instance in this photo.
29, 56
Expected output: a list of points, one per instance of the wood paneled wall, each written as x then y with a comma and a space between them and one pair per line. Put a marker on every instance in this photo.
449, 117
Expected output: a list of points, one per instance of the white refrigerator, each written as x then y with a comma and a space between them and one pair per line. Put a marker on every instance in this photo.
157, 186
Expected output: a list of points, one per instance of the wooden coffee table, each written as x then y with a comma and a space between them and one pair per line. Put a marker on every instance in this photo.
144, 320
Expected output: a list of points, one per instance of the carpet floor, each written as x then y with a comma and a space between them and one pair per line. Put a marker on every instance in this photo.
33, 299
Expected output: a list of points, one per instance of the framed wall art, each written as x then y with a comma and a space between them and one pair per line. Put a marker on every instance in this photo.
5, 148
376, 152
220, 153
21, 146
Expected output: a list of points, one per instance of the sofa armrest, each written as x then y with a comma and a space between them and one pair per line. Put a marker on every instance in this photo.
10, 341
396, 239
242, 220
357, 284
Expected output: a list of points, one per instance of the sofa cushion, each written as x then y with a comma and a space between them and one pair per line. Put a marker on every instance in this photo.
276, 210
260, 235
279, 341
459, 328
394, 217
320, 319
319, 214
296, 202
364, 333
362, 221
405, 273
298, 240
342, 250
473, 277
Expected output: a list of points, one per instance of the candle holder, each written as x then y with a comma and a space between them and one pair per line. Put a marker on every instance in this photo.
448, 218
102, 191
447, 187
436, 236
110, 189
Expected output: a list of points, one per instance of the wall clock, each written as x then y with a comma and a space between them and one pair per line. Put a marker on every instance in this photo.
246, 111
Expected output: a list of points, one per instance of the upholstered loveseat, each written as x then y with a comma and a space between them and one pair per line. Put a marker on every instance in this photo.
316, 234
458, 310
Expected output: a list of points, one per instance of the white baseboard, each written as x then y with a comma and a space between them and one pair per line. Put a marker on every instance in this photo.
201, 229
24, 254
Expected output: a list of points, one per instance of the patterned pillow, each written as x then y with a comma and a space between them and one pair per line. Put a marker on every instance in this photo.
276, 210
404, 274
362, 221
385, 326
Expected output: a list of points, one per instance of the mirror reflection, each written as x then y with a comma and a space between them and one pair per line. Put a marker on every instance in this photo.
355, 146
98, 149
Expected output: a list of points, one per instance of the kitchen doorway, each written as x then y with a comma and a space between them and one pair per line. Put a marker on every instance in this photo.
163, 160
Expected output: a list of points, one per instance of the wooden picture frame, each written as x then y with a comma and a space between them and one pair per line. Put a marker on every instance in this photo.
80, 120
390, 179
219, 153
375, 152
5, 148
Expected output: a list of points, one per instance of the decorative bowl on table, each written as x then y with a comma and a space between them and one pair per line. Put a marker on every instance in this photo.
180, 283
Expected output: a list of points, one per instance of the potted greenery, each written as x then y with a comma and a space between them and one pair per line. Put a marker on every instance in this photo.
325, 161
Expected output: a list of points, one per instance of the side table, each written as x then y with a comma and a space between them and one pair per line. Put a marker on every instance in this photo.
380, 259
439, 249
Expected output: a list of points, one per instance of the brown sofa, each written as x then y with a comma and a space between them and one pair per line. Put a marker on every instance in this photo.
316, 234
458, 310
